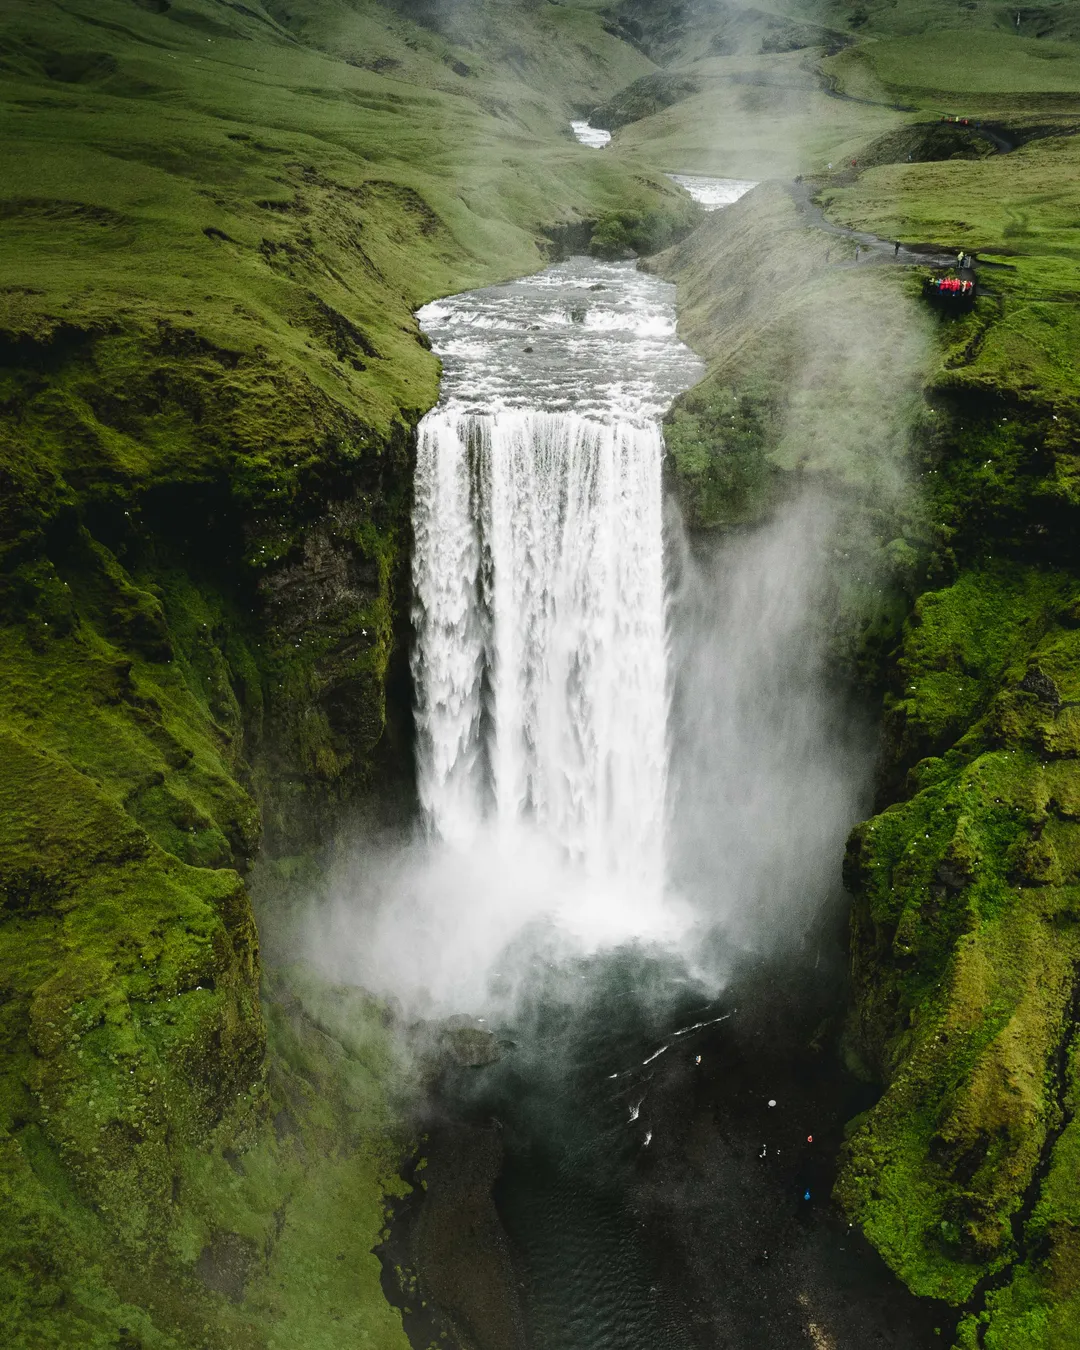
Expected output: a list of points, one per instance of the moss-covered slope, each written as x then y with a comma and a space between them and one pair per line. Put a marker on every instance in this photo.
960, 506
217, 222
966, 926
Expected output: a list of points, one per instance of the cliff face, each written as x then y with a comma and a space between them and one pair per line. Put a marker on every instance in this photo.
201, 554
218, 221
965, 938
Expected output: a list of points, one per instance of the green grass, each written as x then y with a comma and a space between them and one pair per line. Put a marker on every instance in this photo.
755, 117
1019, 209
111, 183
984, 70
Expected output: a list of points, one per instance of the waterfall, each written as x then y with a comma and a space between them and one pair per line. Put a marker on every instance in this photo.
539, 655
611, 753
539, 661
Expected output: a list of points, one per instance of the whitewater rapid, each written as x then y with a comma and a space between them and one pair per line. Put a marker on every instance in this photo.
713, 194
540, 654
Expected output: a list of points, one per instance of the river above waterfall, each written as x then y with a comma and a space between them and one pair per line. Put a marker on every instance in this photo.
596, 138
713, 194
589, 337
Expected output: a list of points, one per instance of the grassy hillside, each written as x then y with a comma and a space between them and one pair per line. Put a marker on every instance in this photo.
963, 71
788, 86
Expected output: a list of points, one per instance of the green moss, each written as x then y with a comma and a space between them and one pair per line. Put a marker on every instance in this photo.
960, 642
628, 233
718, 440
265, 1235
966, 938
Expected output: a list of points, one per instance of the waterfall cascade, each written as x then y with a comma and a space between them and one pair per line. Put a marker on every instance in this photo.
540, 655
611, 752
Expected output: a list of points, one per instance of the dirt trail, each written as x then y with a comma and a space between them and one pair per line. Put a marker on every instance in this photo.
872, 249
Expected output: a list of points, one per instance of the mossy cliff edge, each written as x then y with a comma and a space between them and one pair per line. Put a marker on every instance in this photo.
951, 461
217, 223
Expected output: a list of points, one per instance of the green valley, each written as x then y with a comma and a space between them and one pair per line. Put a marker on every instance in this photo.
217, 221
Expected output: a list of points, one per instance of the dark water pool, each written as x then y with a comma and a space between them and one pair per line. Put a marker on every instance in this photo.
660, 1205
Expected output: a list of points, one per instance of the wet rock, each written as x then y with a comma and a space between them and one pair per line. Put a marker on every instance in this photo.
1040, 684
468, 1044
226, 1264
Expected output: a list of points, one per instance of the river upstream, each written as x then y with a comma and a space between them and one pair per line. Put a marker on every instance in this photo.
636, 789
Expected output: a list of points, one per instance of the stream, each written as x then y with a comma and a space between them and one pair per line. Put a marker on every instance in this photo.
612, 721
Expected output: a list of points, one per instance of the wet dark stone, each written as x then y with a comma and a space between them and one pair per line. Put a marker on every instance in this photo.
1041, 685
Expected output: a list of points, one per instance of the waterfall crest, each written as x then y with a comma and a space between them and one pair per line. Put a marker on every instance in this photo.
540, 661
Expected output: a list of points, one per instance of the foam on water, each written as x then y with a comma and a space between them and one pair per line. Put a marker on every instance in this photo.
594, 137
593, 338
713, 193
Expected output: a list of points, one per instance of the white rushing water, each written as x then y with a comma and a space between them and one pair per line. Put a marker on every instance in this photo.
540, 661
594, 137
713, 193
613, 747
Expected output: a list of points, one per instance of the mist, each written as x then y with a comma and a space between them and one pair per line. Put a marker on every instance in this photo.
628, 739
771, 757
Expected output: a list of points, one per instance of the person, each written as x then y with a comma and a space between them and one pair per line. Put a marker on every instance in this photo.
896, 249
858, 250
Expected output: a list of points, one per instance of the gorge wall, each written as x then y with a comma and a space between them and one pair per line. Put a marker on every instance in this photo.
954, 609
218, 223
